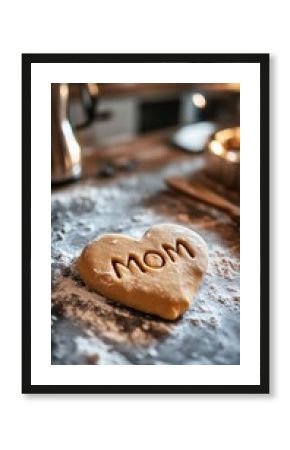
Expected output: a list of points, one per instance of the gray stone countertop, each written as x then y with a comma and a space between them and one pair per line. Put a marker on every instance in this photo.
90, 329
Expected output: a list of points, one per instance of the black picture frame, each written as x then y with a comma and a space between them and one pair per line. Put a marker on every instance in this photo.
263, 61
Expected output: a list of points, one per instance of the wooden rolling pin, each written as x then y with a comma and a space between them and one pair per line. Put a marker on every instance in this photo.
199, 192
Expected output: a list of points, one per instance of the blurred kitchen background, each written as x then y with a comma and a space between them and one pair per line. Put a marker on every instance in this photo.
93, 122
127, 110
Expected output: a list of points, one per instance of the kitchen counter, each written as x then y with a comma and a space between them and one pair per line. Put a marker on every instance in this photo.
89, 329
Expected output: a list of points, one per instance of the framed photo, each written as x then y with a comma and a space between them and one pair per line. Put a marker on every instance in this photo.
145, 227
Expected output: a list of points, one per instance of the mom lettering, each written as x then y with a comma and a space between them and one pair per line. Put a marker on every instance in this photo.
152, 259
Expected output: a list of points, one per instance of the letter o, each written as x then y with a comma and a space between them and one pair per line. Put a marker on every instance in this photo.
154, 260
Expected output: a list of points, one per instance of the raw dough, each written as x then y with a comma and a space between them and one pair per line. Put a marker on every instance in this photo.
158, 274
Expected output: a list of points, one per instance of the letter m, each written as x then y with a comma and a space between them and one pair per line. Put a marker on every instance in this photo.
133, 266
182, 248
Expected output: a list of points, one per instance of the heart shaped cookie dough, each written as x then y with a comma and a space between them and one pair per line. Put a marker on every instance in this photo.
158, 274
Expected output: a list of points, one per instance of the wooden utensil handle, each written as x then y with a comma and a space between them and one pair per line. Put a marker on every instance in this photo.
199, 192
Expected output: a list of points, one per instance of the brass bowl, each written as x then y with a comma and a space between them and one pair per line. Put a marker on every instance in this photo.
223, 157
